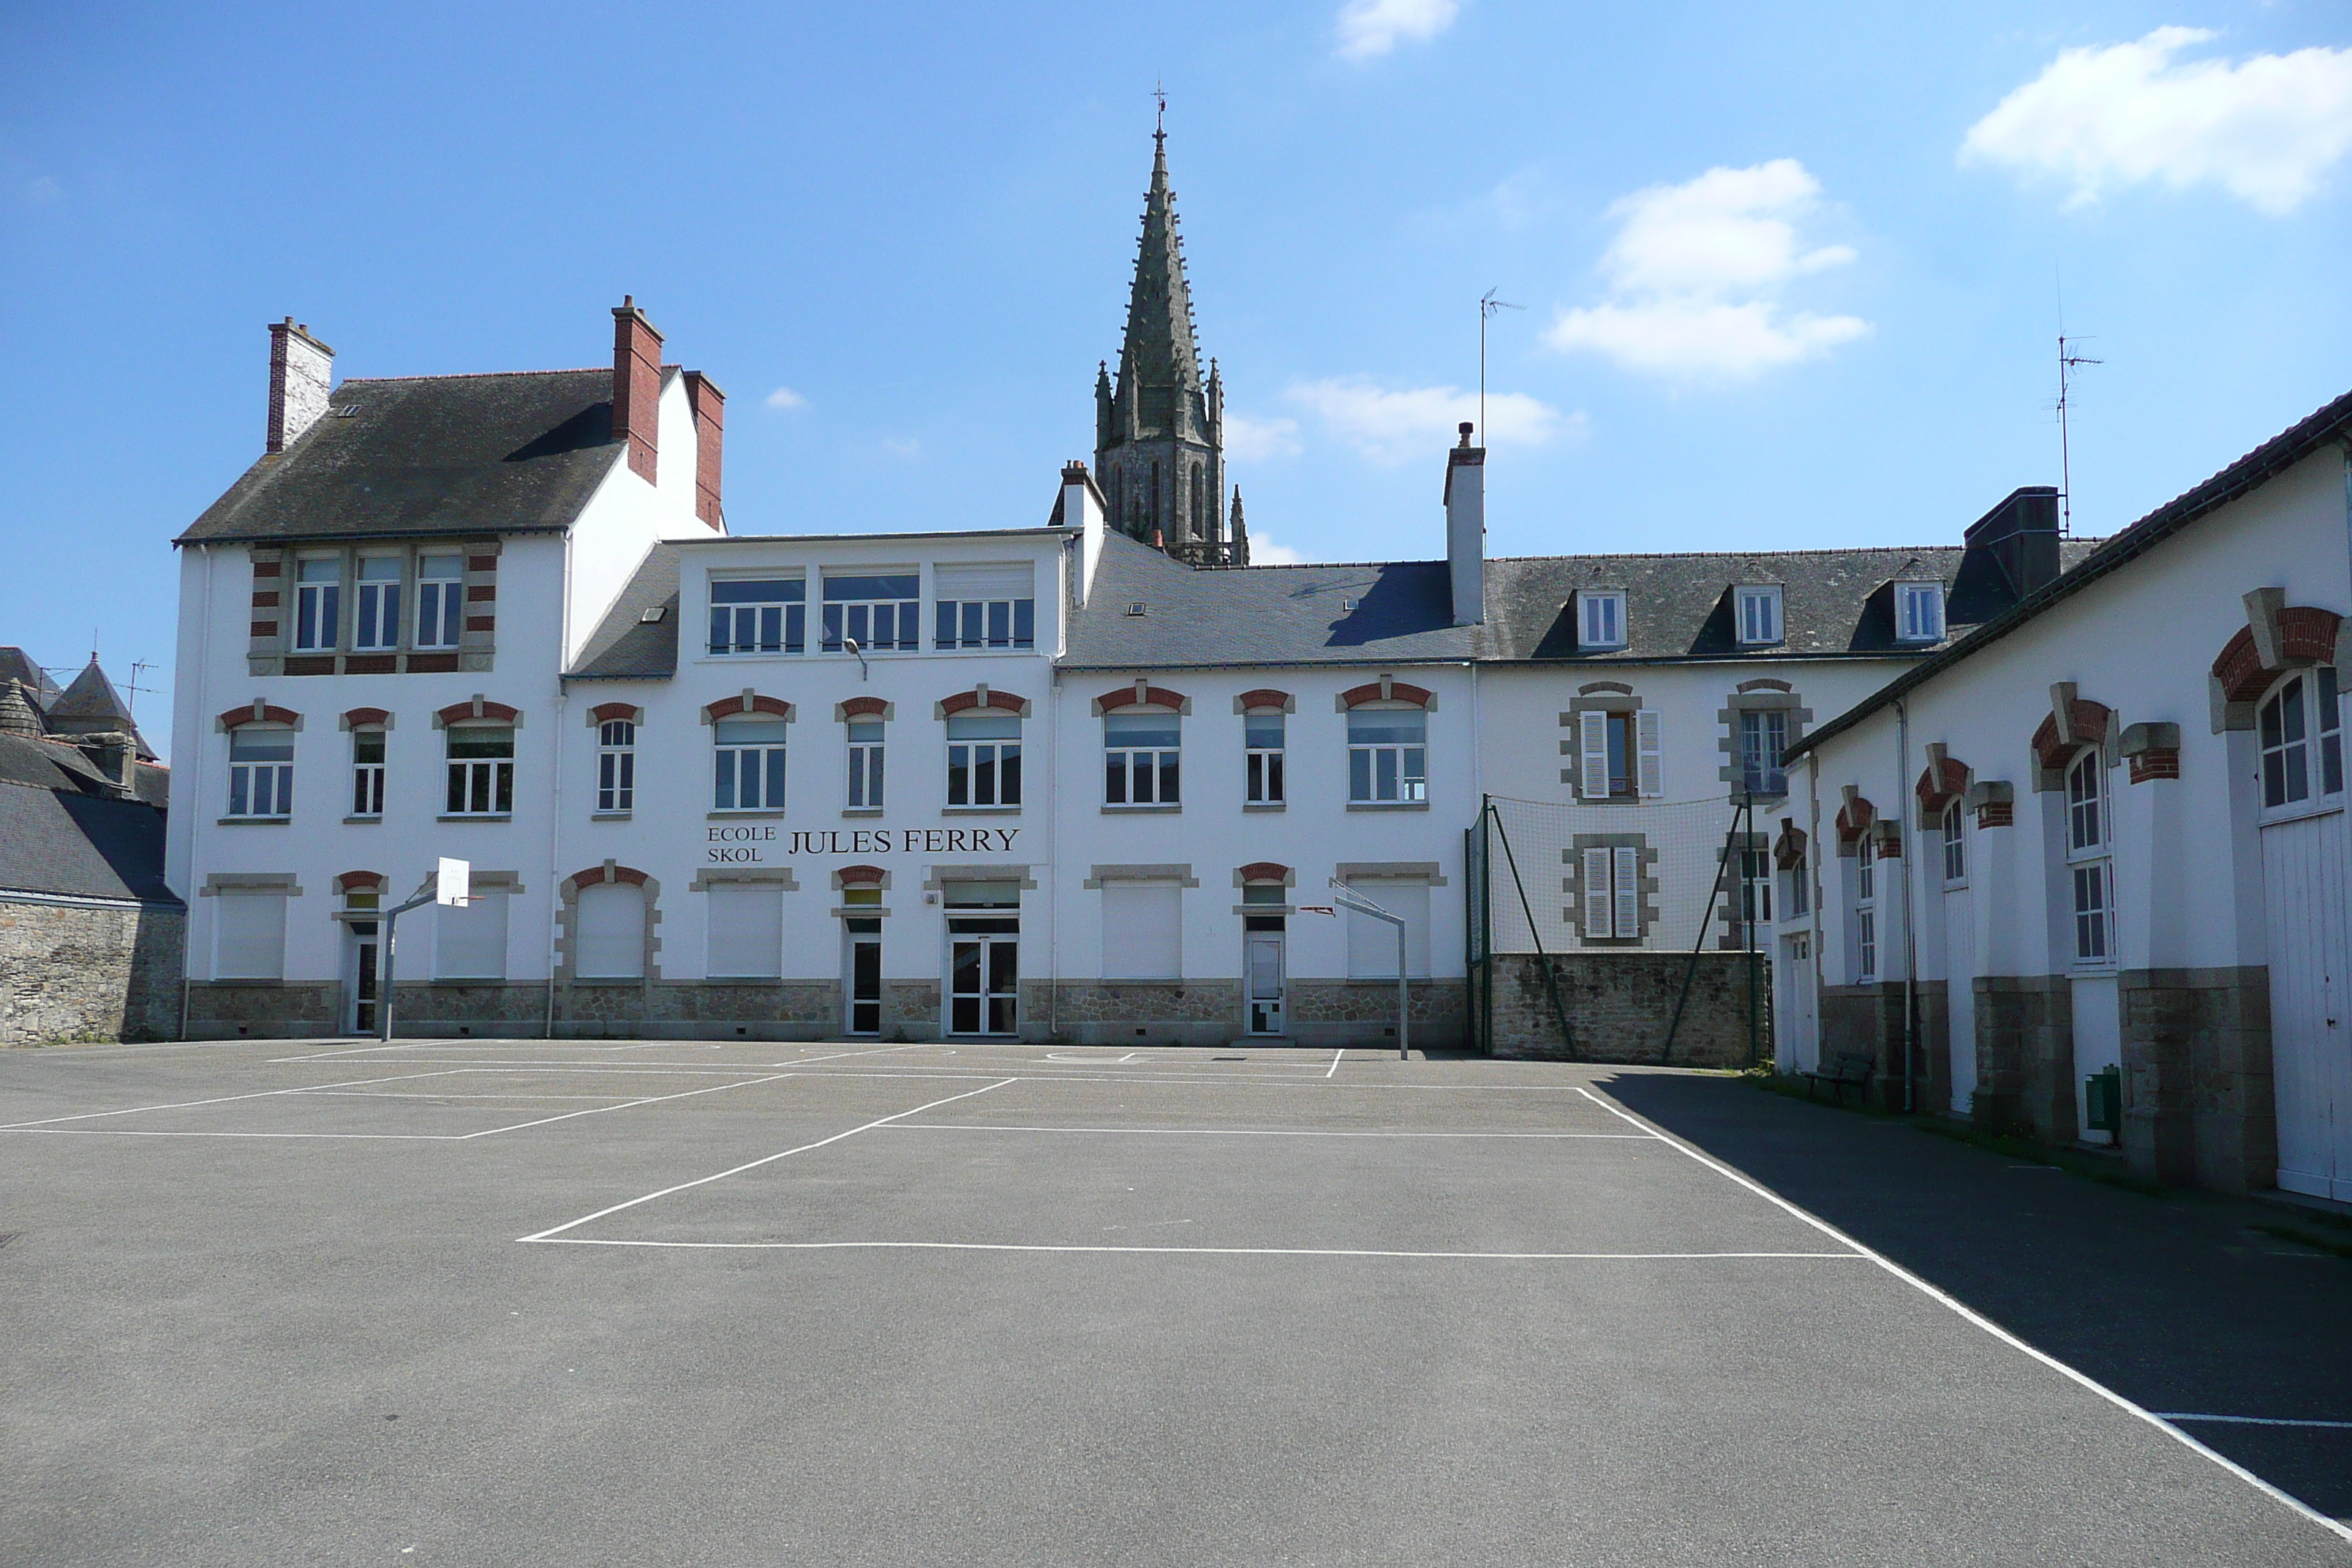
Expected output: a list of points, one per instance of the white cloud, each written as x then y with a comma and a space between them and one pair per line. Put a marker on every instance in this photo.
1265, 551
2264, 129
1369, 28
1693, 275
1255, 440
1391, 425
785, 398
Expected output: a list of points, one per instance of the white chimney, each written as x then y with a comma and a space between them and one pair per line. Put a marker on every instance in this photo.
301, 374
1466, 530
1080, 507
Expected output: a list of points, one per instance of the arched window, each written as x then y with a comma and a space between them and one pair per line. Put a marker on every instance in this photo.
2300, 724
1956, 844
481, 769
1865, 908
262, 771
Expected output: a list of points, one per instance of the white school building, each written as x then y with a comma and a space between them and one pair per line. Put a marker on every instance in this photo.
2085, 872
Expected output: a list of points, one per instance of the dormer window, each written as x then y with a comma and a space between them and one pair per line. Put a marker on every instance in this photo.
1919, 612
1760, 616
1599, 619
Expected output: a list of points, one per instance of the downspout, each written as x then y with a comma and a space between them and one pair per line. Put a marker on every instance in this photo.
1813, 875
1910, 941
196, 820
556, 816
1054, 859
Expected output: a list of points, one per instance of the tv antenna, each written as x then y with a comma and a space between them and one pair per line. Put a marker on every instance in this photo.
1487, 306
2068, 363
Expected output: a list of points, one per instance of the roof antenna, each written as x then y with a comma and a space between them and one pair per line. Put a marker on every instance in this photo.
1487, 306
2067, 364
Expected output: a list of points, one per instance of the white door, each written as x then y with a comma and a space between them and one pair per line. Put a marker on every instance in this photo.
2303, 883
1804, 1026
1263, 962
2099, 1044
1960, 996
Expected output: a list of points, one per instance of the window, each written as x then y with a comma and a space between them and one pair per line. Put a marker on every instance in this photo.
250, 935
767, 614
984, 759
983, 607
1611, 892
1800, 891
1866, 911
2091, 872
1143, 930
469, 940
1262, 738
1387, 756
746, 938
377, 623
367, 773
1755, 887
1919, 612
1763, 745
1621, 755
318, 603
609, 926
2291, 770
866, 765
1373, 943
748, 770
1599, 619
1956, 843
440, 600
481, 770
876, 613
1139, 758
617, 766
1760, 615
262, 771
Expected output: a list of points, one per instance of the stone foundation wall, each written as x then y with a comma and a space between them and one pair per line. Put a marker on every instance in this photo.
2025, 1056
1868, 1020
78, 972
264, 1009
1620, 1003
2197, 1095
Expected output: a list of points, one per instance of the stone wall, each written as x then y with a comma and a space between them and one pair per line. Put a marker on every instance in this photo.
1621, 1005
1867, 1020
85, 972
264, 1009
2197, 1096
2025, 1056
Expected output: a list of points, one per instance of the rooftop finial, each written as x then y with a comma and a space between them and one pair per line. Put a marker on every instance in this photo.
1159, 122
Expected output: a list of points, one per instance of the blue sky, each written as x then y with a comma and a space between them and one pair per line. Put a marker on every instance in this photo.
1787, 282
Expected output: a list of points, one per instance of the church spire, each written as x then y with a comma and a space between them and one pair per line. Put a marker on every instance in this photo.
1159, 436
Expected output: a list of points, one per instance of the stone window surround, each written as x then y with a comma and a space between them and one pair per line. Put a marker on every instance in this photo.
1428, 871
2073, 723
603, 713
1944, 779
2277, 637
280, 883
258, 713
1763, 694
268, 641
980, 697
1265, 700
1262, 872
942, 874
1387, 691
1178, 872
1645, 886
567, 916
1858, 819
1597, 697
848, 877
1140, 694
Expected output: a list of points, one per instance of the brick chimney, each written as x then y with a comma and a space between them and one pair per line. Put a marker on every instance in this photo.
709, 405
301, 374
636, 386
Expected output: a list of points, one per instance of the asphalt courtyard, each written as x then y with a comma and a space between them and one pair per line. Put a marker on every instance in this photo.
523, 1302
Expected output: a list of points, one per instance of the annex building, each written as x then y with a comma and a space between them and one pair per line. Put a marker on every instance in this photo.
1086, 775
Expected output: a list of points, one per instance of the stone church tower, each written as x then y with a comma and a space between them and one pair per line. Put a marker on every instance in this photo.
1160, 438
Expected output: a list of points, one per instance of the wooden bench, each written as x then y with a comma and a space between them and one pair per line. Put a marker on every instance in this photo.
1856, 1068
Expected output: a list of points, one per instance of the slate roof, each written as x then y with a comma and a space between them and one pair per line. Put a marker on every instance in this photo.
16, 664
2098, 558
57, 764
625, 645
60, 834
1835, 603
514, 452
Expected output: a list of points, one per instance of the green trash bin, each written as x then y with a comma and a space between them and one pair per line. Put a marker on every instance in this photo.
2102, 1096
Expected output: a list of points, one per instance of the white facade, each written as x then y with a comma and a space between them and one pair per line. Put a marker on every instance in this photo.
2129, 888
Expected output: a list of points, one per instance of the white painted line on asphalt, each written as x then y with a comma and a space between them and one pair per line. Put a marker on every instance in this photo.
1247, 1131
2332, 1526
384, 1094
150, 1132
2250, 1420
1335, 1061
1204, 1251
630, 1105
371, 1048
225, 1100
765, 1160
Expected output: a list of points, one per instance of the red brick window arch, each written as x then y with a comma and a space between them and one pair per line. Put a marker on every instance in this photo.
1143, 732
260, 762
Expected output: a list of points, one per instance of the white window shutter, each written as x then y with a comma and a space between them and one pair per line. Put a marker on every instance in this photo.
1592, 743
1143, 930
1627, 894
249, 936
1653, 763
469, 941
1597, 921
745, 938
609, 931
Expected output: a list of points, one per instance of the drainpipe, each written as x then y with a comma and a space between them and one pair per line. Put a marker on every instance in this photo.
195, 768
1813, 875
1054, 859
1910, 940
555, 818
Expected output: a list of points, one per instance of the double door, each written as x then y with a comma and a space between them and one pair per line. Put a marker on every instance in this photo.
2306, 869
983, 977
